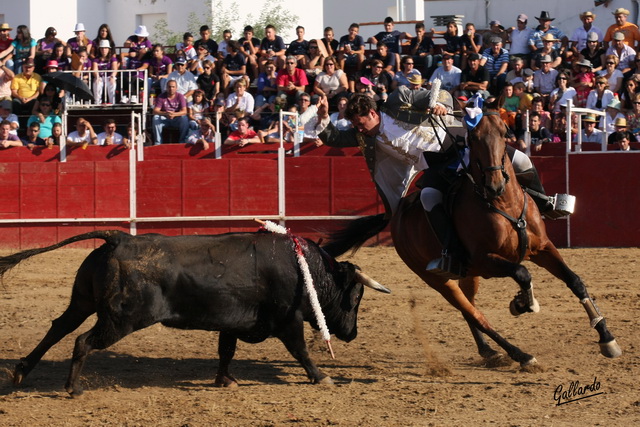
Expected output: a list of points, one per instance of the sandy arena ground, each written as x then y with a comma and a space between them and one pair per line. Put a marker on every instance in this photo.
408, 366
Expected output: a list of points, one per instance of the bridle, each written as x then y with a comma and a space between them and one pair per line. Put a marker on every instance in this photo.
480, 188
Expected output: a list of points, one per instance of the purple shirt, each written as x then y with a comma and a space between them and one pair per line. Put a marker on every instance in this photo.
136, 45
73, 44
163, 102
105, 64
159, 66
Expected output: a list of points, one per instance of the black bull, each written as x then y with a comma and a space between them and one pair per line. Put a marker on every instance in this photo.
248, 286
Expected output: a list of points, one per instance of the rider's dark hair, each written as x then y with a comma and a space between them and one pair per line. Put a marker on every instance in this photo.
359, 105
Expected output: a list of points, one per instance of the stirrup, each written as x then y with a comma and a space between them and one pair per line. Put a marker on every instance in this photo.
447, 267
561, 205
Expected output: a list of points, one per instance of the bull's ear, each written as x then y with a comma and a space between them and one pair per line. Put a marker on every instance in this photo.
347, 273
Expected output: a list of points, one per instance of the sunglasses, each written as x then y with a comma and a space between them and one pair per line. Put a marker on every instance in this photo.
611, 63
330, 63
378, 66
305, 100
313, 47
291, 63
408, 63
637, 103
45, 105
601, 83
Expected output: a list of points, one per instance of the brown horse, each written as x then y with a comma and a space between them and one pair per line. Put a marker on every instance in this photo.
499, 225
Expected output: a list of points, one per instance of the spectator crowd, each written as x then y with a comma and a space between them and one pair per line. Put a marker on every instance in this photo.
531, 69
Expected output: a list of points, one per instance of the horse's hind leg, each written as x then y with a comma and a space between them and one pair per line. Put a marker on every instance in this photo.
469, 286
550, 259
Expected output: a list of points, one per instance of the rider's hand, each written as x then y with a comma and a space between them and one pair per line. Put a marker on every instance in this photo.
323, 108
439, 110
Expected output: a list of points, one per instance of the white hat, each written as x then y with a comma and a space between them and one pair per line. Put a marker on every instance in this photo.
141, 31
79, 27
104, 43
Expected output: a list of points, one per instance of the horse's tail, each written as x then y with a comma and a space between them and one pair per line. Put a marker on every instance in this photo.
355, 234
8, 262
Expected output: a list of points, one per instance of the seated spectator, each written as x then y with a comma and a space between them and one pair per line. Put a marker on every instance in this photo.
496, 60
448, 74
579, 38
110, 137
628, 29
453, 42
623, 139
44, 47
56, 135
223, 46
240, 101
508, 100
625, 54
271, 47
291, 80
6, 76
54, 96
583, 83
633, 117
196, 109
316, 61
205, 134
631, 87
375, 79
611, 72
549, 50
594, 52
104, 33
25, 89
205, 38
331, 45
82, 66
197, 65
545, 27
249, 47
5, 43
234, 68
519, 36
6, 138
159, 68
267, 86
299, 48
271, 133
79, 41
351, 48
45, 117
170, 110
244, 135
33, 138
544, 79
332, 82
308, 118
589, 131
6, 114
105, 66
601, 96
208, 81
59, 55
537, 106
422, 50
539, 134
83, 135
339, 119
22, 49
516, 69
616, 121
471, 42
407, 70
187, 48
496, 29
526, 98
138, 45
561, 93
390, 37
387, 58
475, 78
185, 80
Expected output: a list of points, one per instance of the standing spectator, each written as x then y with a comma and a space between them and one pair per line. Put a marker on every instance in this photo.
104, 33
240, 101
79, 41
453, 42
579, 37
475, 78
407, 70
351, 48
109, 136
209, 81
299, 48
234, 67
387, 58
5, 42
536, 43
105, 65
25, 88
23, 48
6, 138
593, 52
520, 35
611, 72
249, 47
272, 47
33, 138
496, 60
625, 54
170, 110
495, 30
185, 80
471, 41
548, 49
601, 96
6, 76
330, 43
83, 135
629, 30
291, 80
332, 82
205, 38
544, 78
583, 82
448, 74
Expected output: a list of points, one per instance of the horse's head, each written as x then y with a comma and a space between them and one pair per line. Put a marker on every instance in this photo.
487, 155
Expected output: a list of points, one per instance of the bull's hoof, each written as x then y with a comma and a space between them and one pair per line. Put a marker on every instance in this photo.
610, 349
226, 381
325, 381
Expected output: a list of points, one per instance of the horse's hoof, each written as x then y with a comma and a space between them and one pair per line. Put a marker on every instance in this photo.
531, 366
326, 381
225, 381
498, 360
516, 307
610, 349
19, 373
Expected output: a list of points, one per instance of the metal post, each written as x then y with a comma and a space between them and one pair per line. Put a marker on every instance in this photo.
133, 227
568, 131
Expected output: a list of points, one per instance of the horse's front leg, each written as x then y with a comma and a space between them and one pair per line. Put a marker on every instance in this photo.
469, 286
550, 259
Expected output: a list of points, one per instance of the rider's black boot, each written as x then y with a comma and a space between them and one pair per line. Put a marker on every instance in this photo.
452, 264
551, 207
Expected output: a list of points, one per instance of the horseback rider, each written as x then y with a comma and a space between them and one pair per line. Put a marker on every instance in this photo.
402, 139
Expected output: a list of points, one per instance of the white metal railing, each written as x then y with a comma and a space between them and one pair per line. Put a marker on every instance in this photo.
582, 111
110, 87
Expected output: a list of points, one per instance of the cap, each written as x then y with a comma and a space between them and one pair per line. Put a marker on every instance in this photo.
104, 43
620, 122
496, 22
28, 63
621, 11
527, 72
585, 63
495, 40
141, 31
592, 36
218, 102
473, 56
447, 56
79, 27
618, 36
52, 64
6, 104
181, 60
545, 59
522, 17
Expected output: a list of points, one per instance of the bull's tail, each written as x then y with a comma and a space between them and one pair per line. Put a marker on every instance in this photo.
8, 262
355, 234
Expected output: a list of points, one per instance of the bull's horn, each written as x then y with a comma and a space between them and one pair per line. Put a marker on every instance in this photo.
368, 281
